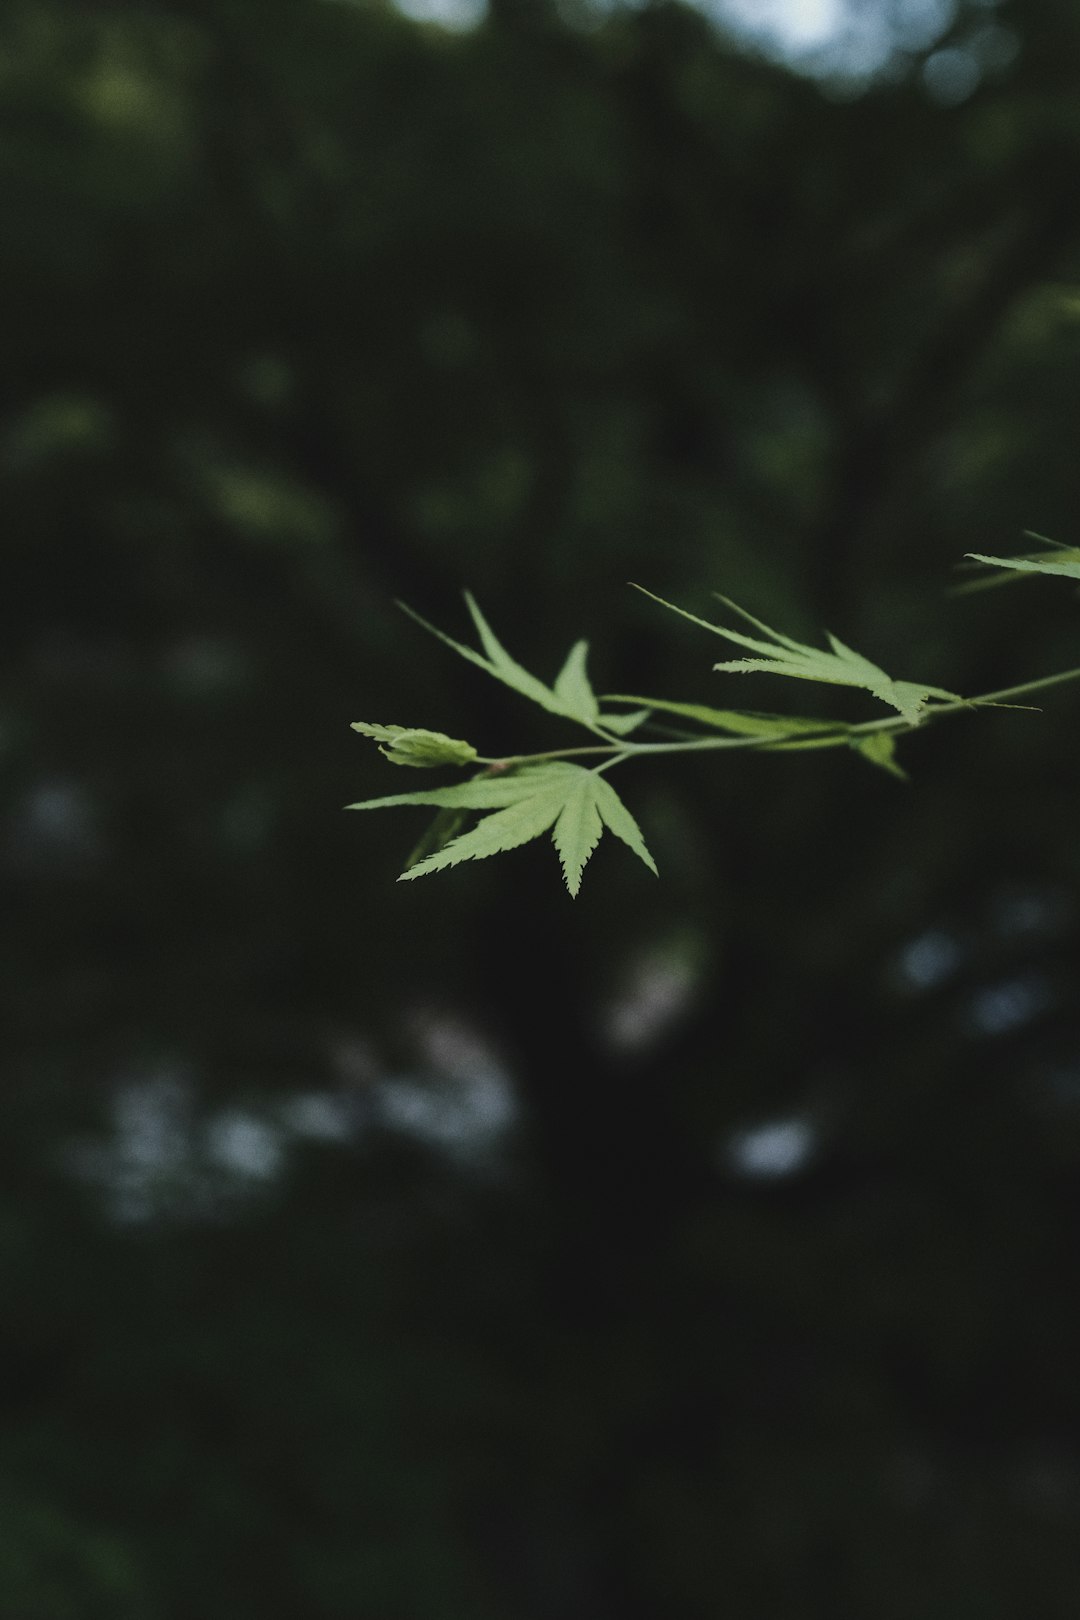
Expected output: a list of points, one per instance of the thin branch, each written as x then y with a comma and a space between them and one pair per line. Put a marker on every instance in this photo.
827, 736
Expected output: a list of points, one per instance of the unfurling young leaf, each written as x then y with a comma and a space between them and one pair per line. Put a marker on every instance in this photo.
574, 803
411, 745
840, 666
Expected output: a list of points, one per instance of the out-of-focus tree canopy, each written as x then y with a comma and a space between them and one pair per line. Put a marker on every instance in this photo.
448, 1251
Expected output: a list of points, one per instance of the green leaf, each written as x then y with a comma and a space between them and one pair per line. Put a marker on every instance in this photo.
572, 696
576, 803
519, 823
503, 667
741, 722
623, 724
486, 792
438, 834
617, 819
1003, 570
1067, 566
579, 828
573, 688
409, 745
840, 666
879, 747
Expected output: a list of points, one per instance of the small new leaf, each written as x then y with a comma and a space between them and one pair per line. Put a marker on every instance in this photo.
411, 745
840, 666
880, 749
574, 803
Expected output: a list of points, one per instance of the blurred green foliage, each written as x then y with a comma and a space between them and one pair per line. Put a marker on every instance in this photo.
763, 1301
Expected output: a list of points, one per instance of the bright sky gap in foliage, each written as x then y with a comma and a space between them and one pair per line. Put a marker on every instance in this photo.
852, 39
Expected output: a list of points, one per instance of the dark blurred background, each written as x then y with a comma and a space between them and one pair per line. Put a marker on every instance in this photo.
453, 1251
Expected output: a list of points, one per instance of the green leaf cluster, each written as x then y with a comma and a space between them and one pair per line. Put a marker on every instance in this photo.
524, 799
520, 797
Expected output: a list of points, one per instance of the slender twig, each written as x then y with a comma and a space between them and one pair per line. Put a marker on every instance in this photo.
616, 752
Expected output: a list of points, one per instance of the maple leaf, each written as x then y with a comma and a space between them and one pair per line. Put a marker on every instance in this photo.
571, 695
574, 804
838, 666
